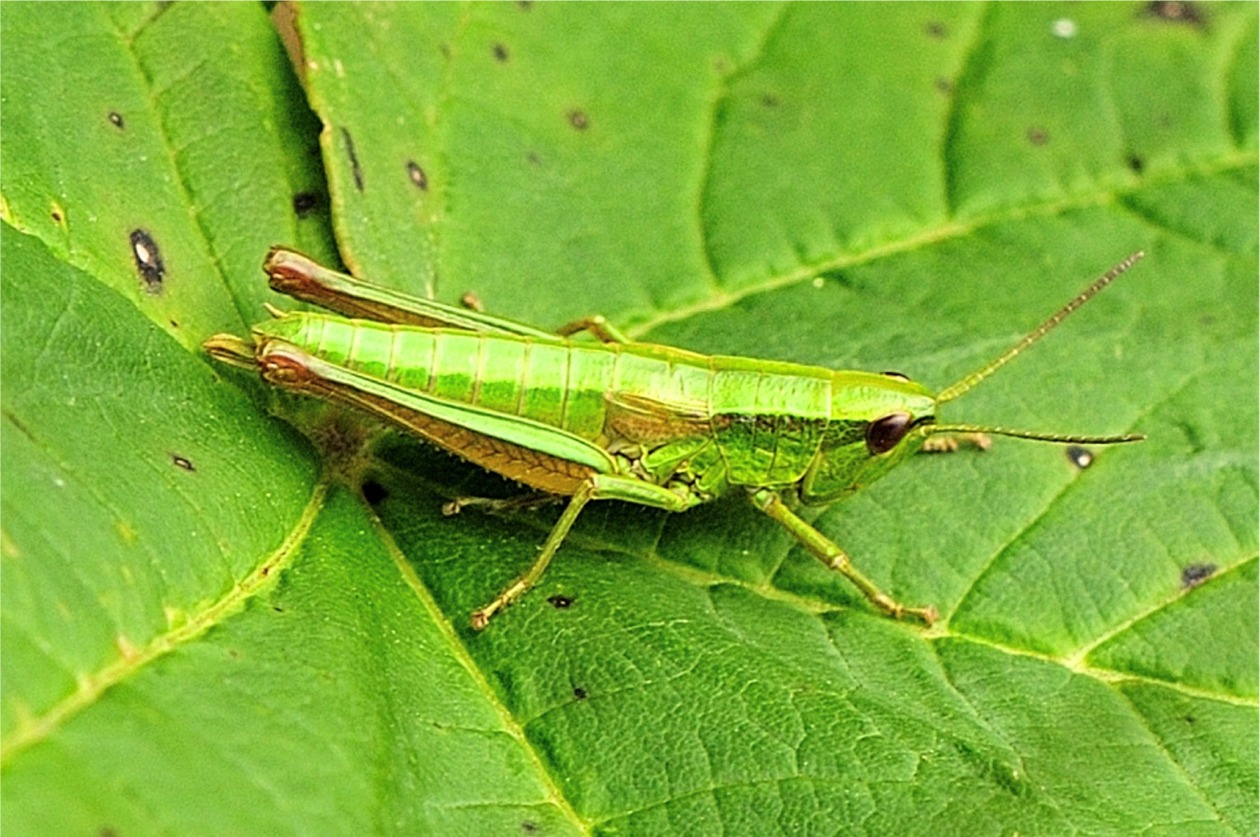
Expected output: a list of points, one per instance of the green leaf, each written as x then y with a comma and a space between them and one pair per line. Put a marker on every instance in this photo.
202, 630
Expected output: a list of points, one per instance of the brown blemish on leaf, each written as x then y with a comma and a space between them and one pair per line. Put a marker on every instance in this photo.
417, 176
148, 259
1175, 11
355, 168
1080, 457
1195, 574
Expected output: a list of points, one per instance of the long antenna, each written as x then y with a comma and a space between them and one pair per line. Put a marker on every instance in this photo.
952, 392
1062, 438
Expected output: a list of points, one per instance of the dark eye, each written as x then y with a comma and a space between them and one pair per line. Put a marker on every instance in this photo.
883, 434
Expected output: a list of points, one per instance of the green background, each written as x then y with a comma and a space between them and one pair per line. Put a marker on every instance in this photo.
203, 629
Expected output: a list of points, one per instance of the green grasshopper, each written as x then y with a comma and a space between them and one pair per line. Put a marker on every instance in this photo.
613, 419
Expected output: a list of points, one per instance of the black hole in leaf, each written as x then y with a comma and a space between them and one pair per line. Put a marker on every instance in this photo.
560, 602
373, 492
304, 203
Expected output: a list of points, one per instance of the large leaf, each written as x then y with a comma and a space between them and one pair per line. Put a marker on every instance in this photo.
205, 632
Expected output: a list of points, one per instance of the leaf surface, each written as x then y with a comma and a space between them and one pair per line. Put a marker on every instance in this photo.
195, 610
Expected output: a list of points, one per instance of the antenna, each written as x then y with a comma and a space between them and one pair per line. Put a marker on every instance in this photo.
1034, 435
952, 392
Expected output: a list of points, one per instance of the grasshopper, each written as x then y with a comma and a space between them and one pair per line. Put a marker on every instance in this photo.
612, 419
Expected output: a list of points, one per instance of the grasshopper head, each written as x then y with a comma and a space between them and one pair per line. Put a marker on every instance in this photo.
876, 421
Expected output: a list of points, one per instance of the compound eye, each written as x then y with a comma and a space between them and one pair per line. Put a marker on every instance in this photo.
883, 434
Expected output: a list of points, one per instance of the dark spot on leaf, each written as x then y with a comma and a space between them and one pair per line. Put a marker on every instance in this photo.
769, 100
897, 375
182, 462
22, 428
1038, 135
173, 323
936, 29
417, 176
56, 216
355, 168
529, 827
1135, 163
532, 158
1080, 457
115, 119
373, 492
500, 53
524, 5
579, 693
578, 120
561, 602
944, 85
1190, 719
277, 608
1195, 574
1175, 11
304, 203
265, 571
148, 260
